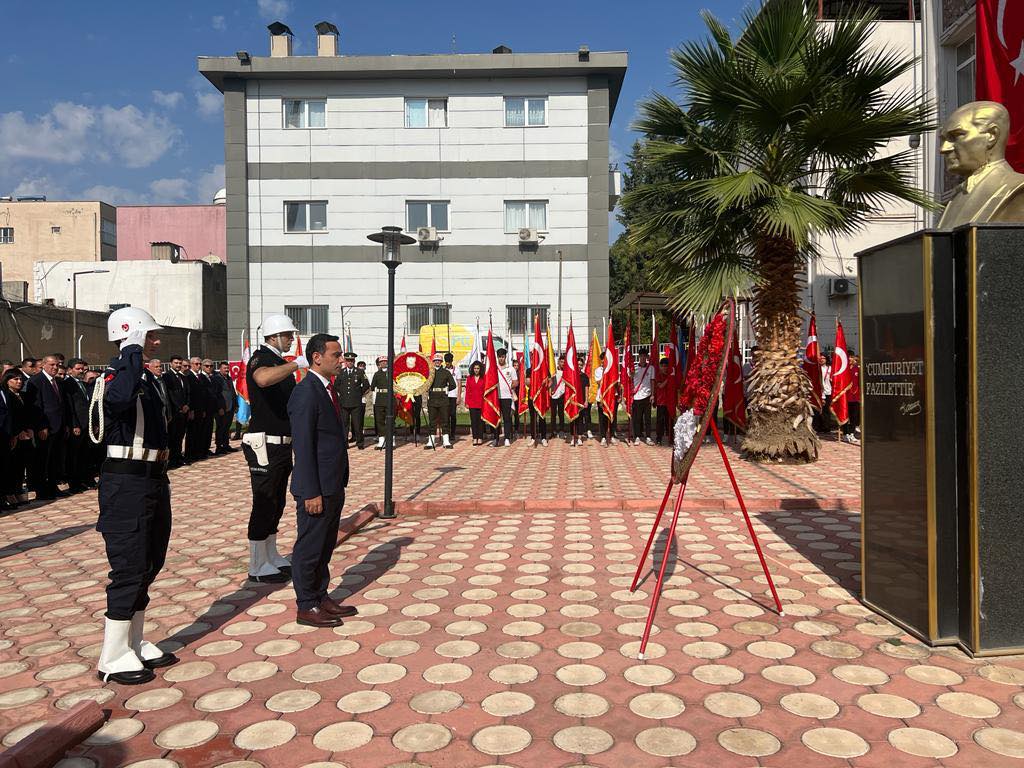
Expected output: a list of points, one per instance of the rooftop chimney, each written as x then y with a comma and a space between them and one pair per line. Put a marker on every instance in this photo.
502, 49
326, 39
280, 39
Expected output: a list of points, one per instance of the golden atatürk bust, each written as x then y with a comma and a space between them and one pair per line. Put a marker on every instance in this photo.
974, 146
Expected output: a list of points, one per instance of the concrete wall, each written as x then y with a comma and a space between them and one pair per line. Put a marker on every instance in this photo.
187, 295
199, 229
36, 236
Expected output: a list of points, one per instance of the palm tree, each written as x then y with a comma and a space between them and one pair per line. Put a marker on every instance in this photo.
778, 142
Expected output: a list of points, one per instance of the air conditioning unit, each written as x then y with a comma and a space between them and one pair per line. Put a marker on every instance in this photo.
427, 235
528, 236
841, 286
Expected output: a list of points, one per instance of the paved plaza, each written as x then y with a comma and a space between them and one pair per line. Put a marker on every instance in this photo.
496, 627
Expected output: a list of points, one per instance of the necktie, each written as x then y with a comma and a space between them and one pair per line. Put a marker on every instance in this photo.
334, 400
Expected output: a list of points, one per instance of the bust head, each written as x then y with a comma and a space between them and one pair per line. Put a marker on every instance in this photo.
974, 135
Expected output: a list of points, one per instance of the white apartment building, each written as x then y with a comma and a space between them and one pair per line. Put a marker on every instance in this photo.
497, 163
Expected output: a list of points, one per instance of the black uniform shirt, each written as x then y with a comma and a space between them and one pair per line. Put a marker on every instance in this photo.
379, 384
442, 384
351, 384
269, 404
126, 382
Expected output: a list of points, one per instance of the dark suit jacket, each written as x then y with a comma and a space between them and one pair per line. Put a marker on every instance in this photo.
176, 392
6, 418
47, 405
197, 394
225, 393
319, 441
77, 399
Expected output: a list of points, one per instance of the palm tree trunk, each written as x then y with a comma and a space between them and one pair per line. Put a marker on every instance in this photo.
779, 424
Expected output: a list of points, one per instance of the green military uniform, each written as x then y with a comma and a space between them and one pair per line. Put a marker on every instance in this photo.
438, 402
379, 385
351, 384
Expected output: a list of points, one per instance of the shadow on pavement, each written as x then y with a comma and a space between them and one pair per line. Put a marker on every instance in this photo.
375, 563
818, 557
17, 547
441, 472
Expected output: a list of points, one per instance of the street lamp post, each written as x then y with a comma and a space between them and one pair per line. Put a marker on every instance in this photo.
74, 305
391, 241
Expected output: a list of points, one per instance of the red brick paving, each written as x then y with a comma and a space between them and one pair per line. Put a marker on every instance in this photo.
459, 610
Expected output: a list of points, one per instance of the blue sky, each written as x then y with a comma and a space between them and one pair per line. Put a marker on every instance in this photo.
102, 100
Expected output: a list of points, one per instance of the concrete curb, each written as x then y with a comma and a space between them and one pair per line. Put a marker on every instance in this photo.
352, 524
457, 507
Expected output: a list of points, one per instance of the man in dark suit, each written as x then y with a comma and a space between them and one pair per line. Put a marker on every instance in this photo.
177, 395
79, 458
198, 395
227, 404
212, 403
46, 404
318, 482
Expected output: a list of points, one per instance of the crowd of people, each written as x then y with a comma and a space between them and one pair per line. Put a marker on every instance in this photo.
45, 448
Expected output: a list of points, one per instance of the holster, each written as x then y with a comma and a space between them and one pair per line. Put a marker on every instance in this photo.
257, 441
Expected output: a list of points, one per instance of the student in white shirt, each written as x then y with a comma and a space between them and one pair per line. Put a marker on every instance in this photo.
507, 382
558, 398
643, 385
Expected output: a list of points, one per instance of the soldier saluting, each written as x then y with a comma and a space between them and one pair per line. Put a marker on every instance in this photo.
268, 445
351, 384
134, 495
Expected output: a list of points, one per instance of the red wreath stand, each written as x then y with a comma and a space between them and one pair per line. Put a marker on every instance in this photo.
704, 380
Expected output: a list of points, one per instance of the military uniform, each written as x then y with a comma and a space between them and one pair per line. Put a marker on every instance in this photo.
351, 384
379, 385
269, 431
438, 404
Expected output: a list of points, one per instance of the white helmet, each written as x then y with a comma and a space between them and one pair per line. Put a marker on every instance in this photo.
275, 324
127, 320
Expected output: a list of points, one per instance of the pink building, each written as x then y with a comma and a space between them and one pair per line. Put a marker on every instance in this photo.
198, 229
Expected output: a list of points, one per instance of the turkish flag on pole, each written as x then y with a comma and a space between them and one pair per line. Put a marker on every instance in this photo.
571, 378
842, 377
734, 401
999, 66
628, 369
491, 412
812, 364
609, 375
540, 391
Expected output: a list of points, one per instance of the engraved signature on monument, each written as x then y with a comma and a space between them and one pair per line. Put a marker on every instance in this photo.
910, 409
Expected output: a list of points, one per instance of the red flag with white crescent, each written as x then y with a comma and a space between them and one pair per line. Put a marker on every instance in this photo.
812, 364
491, 412
571, 377
540, 391
734, 401
842, 377
628, 371
999, 67
609, 385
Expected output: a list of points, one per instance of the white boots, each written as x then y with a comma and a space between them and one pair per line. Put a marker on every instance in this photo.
118, 662
261, 569
150, 655
447, 443
380, 443
274, 557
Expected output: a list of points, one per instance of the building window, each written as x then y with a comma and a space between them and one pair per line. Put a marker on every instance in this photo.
526, 213
54, 230
6, 234
519, 317
305, 113
108, 232
426, 314
426, 113
521, 112
305, 216
308, 318
426, 213
965, 72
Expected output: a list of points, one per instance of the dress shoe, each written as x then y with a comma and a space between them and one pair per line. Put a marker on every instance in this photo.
167, 660
62, 494
317, 617
335, 608
135, 677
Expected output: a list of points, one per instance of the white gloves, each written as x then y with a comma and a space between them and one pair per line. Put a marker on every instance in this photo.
301, 361
135, 337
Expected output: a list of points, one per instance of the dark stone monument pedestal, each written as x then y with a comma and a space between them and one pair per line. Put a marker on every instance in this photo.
942, 460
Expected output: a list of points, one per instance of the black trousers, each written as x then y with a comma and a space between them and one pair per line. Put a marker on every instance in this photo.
642, 418
135, 521
558, 414
13, 469
662, 427
48, 463
538, 426
437, 417
453, 410
176, 436
414, 425
853, 418
476, 423
208, 422
603, 423
352, 422
316, 538
224, 428
380, 420
195, 448
79, 460
269, 489
583, 421
506, 421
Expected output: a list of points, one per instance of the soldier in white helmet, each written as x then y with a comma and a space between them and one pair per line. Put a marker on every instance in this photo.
267, 445
134, 495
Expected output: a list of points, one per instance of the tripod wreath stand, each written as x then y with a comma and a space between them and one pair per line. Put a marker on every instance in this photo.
704, 380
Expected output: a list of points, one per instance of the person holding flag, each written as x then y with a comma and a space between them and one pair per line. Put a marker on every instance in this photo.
812, 367
506, 383
842, 379
572, 386
540, 386
642, 383
608, 389
590, 368
491, 410
626, 377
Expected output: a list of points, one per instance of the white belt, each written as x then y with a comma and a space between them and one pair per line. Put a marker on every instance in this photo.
136, 454
279, 440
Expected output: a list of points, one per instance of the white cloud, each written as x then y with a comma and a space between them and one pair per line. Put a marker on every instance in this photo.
170, 190
273, 9
40, 185
209, 104
169, 99
72, 133
114, 195
210, 183
218, 23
